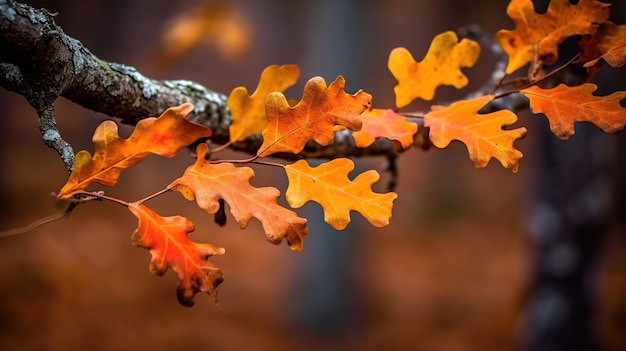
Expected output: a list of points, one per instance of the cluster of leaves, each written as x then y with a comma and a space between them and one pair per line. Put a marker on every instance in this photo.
323, 109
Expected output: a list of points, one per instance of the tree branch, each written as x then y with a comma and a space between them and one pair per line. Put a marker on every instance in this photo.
42, 63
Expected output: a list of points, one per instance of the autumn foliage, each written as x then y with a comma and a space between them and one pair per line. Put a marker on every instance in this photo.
207, 183
326, 109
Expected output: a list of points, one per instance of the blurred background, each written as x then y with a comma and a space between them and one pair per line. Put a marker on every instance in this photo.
472, 260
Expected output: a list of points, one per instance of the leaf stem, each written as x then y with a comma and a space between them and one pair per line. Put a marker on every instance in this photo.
100, 195
247, 160
268, 163
548, 75
221, 147
254, 160
415, 114
160, 192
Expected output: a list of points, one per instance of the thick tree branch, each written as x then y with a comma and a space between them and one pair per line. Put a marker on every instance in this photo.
42, 63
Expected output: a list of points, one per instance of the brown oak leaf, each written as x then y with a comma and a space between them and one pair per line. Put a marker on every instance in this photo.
544, 32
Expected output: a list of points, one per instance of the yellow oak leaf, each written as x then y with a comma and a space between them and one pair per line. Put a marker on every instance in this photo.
161, 136
248, 112
208, 183
481, 133
441, 66
166, 238
608, 43
563, 106
384, 123
544, 32
313, 118
328, 185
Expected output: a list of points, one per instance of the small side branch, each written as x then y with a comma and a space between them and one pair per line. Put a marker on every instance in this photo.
52, 137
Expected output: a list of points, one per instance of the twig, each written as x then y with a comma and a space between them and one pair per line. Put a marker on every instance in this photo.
34, 225
541, 79
153, 195
487, 40
63, 214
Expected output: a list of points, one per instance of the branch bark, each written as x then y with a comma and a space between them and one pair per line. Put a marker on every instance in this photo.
42, 63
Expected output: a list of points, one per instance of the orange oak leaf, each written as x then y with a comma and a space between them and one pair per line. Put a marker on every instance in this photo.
381, 123
608, 43
162, 136
207, 183
328, 185
563, 106
544, 32
221, 25
481, 133
441, 66
166, 238
321, 108
248, 112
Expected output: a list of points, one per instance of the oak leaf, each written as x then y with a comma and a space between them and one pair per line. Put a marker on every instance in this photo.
220, 25
207, 183
564, 105
441, 66
166, 238
544, 32
248, 112
608, 43
161, 136
384, 123
328, 185
481, 133
313, 118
